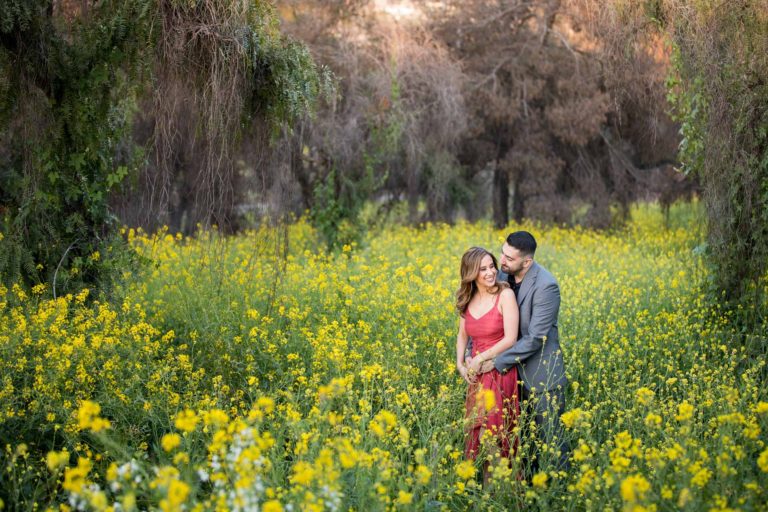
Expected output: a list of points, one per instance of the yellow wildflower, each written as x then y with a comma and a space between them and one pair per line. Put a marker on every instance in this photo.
186, 420
684, 412
466, 469
404, 498
215, 417
623, 440
575, 418
170, 441
486, 398
98, 500
644, 395
684, 498
303, 473
652, 420
177, 495
762, 461
54, 460
634, 488
272, 506
423, 474
540, 480
75, 478
382, 423
88, 417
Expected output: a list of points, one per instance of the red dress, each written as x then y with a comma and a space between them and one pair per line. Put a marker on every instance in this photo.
499, 410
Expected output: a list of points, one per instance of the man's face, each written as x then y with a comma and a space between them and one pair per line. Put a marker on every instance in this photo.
512, 261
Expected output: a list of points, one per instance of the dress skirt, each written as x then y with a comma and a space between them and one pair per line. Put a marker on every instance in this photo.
492, 405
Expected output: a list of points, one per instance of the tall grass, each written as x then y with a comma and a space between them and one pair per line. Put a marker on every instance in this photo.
231, 377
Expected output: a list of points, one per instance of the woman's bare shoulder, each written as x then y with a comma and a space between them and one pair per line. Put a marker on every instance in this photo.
507, 294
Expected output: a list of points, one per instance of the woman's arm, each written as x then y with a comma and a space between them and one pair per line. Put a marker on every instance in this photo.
511, 318
461, 346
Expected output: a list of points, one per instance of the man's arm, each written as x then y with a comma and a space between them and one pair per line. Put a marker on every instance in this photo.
546, 304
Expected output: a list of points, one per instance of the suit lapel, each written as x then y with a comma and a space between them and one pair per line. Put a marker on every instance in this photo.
527, 284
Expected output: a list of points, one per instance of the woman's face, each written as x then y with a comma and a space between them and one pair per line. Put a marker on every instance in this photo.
486, 276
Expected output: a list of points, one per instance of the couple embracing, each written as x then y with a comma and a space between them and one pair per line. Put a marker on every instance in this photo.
507, 350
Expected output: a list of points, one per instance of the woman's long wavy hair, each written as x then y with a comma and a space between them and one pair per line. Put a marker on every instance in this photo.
470, 268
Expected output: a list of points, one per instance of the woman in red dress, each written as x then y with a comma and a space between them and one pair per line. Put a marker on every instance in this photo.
489, 315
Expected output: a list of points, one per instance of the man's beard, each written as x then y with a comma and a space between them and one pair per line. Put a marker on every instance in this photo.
509, 270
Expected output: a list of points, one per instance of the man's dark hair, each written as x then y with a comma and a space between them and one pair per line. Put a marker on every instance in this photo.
523, 241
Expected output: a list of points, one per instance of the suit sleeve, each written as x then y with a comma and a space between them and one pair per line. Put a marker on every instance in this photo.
546, 304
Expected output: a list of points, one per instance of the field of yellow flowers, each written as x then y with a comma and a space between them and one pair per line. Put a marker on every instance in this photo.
258, 372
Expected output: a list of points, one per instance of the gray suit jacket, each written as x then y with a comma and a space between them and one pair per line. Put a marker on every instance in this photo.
537, 351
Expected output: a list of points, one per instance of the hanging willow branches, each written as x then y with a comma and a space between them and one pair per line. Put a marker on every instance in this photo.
72, 77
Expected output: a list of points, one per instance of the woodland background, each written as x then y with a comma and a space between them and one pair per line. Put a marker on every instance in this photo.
190, 114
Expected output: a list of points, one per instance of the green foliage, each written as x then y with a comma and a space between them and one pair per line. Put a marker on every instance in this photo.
286, 82
338, 203
69, 92
690, 110
719, 94
340, 199
329, 212
69, 86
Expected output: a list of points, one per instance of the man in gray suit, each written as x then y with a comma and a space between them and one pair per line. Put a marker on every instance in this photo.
537, 351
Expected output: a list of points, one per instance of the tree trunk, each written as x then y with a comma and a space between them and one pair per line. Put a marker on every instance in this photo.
500, 196
413, 196
518, 201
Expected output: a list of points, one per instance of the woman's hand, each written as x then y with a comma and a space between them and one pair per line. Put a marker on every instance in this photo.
474, 366
487, 366
466, 374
